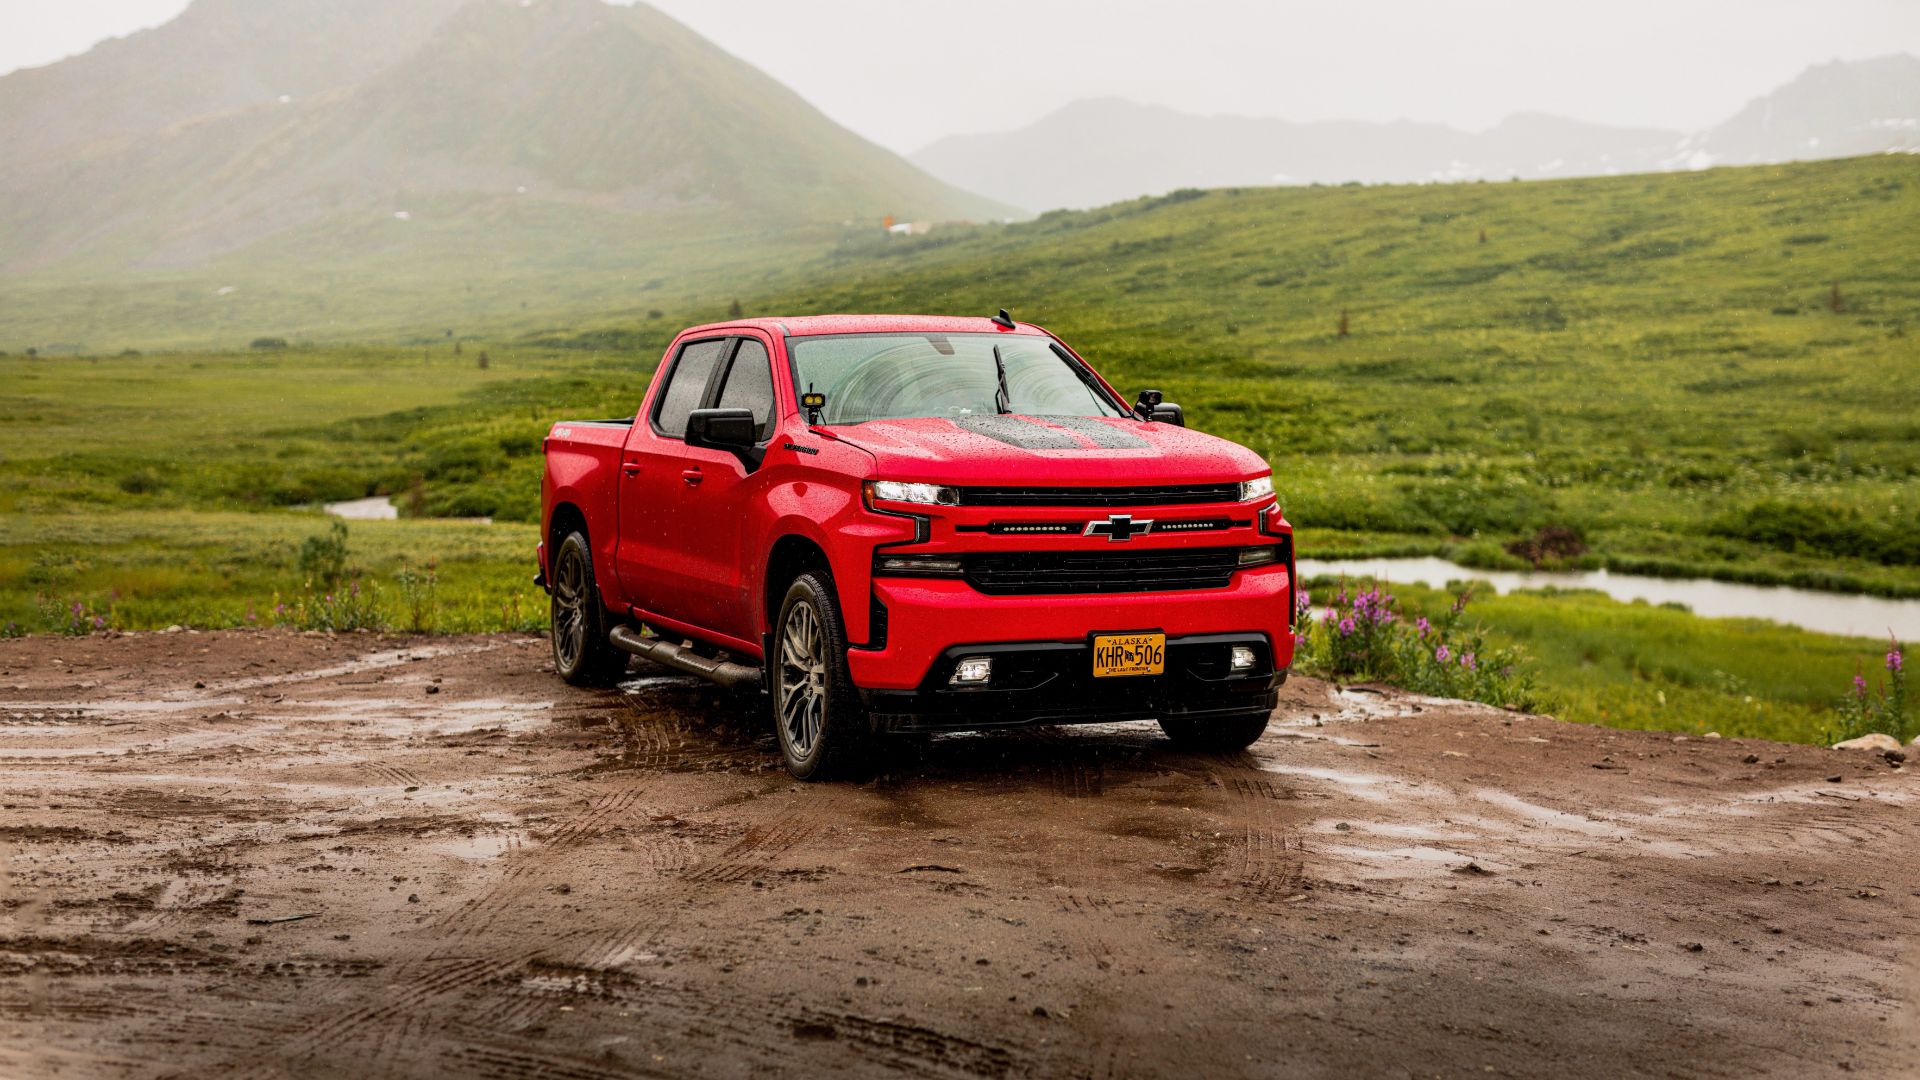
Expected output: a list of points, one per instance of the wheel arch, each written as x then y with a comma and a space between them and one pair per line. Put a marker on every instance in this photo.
565, 518
790, 556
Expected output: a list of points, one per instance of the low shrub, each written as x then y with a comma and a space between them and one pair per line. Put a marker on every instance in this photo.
323, 558
1553, 543
1361, 635
1825, 528
352, 606
75, 619
1882, 709
141, 482
417, 593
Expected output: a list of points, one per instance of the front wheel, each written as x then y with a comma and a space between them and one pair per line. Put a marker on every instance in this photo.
816, 712
1217, 733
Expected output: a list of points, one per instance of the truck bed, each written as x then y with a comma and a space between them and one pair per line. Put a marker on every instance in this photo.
582, 468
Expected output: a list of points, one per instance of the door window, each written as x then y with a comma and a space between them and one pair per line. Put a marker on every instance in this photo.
750, 386
686, 385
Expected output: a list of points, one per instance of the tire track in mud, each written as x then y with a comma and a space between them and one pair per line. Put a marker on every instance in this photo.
761, 1026
653, 736
1268, 856
399, 1018
1072, 764
1087, 916
456, 957
393, 775
367, 662
753, 852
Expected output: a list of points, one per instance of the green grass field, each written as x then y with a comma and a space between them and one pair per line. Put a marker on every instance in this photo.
1704, 374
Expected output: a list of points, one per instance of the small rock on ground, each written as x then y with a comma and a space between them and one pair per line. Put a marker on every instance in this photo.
1876, 741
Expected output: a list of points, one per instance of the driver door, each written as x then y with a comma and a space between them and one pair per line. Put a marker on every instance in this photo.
649, 553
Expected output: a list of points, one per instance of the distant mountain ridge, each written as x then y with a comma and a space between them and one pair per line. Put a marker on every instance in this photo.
1089, 153
305, 129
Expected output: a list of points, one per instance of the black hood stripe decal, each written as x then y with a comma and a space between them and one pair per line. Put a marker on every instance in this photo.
1016, 431
1103, 435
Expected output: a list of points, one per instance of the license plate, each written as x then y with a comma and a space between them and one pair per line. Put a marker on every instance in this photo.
1129, 654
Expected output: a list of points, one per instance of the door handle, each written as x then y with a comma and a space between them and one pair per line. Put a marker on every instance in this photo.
692, 476
631, 468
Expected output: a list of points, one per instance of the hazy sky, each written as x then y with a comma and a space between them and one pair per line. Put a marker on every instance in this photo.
904, 72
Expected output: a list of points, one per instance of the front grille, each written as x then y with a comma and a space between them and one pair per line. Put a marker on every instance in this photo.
1175, 495
1030, 573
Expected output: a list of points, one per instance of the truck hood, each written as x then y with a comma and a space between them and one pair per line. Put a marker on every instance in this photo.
1047, 451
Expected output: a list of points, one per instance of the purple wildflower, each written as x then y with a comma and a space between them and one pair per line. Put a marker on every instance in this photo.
1304, 601
1859, 686
1346, 626
1442, 654
1895, 661
1467, 661
1423, 626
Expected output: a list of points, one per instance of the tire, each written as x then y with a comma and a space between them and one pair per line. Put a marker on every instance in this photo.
1215, 733
817, 717
581, 652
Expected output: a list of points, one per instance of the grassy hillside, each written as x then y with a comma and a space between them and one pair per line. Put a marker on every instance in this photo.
1713, 371
1655, 363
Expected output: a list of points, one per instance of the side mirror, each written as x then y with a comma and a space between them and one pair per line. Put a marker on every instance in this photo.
1169, 413
733, 430
1144, 405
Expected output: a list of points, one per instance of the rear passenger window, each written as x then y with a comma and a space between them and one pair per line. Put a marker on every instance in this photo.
686, 385
750, 386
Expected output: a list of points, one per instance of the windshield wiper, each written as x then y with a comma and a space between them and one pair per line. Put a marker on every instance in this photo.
1002, 402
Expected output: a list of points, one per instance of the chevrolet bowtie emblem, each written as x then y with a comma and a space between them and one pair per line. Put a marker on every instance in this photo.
1118, 527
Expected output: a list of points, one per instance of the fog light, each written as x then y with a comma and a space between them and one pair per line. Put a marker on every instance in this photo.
972, 671
1241, 659
1259, 556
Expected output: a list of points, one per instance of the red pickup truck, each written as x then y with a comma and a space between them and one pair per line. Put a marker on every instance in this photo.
909, 524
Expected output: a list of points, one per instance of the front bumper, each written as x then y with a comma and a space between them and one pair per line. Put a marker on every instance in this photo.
1051, 682
922, 618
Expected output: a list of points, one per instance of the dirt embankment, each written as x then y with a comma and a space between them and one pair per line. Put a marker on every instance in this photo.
247, 855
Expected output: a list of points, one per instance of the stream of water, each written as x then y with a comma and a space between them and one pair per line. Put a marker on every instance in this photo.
1828, 613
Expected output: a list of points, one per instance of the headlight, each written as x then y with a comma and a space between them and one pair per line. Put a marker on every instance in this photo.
896, 491
1259, 487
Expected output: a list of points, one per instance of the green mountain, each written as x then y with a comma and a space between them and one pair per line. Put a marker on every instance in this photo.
218, 56
493, 145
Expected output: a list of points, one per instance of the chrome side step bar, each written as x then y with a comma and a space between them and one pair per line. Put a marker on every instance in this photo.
662, 651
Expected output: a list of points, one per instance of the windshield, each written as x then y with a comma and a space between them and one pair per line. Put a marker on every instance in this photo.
901, 376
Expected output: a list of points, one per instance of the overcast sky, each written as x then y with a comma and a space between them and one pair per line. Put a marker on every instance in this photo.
905, 72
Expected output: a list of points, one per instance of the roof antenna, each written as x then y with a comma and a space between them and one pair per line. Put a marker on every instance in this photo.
1003, 319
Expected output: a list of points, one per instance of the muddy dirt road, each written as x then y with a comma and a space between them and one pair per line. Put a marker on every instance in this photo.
266, 854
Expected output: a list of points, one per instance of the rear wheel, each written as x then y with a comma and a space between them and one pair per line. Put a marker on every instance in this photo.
581, 652
816, 713
1234, 732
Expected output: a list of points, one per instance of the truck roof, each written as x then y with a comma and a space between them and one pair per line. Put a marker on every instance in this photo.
812, 325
